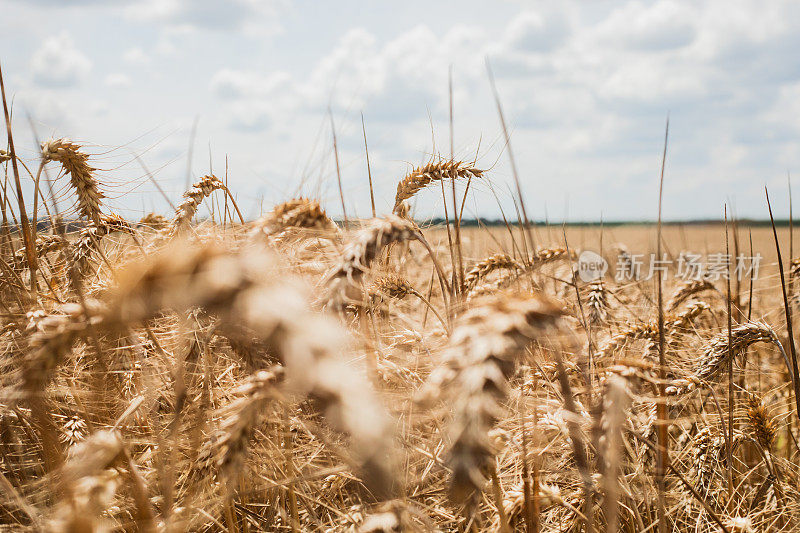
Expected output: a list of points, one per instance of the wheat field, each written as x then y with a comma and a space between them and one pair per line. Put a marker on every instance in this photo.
196, 371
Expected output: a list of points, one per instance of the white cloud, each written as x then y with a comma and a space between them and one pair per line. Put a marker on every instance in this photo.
118, 80
57, 63
537, 31
136, 56
205, 14
406, 74
663, 25
235, 84
256, 100
46, 108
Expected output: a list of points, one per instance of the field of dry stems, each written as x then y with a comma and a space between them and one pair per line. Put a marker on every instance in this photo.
198, 372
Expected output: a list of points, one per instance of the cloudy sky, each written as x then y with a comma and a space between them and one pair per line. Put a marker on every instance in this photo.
586, 88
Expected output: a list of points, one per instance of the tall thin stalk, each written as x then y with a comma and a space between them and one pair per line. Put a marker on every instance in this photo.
663, 435
787, 310
27, 234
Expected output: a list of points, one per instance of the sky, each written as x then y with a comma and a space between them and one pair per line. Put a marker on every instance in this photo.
187, 87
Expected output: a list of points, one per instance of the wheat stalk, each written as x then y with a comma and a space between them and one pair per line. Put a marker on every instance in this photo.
76, 164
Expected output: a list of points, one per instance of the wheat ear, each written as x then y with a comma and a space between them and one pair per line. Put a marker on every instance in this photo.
154, 221
88, 242
343, 280
240, 419
761, 422
597, 302
687, 290
485, 267
649, 330
296, 213
719, 349
90, 483
423, 176
549, 255
240, 291
483, 353
76, 164
192, 199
